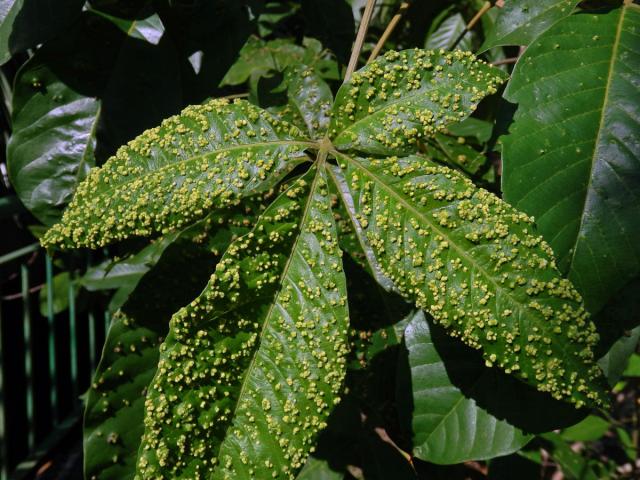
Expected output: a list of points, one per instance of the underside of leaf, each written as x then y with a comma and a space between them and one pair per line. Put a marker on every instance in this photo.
476, 265
251, 368
209, 156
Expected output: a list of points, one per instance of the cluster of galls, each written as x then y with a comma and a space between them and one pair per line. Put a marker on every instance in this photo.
252, 367
475, 264
404, 96
314, 96
209, 155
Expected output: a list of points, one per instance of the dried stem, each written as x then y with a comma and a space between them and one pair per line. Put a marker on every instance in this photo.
505, 61
485, 8
388, 31
357, 45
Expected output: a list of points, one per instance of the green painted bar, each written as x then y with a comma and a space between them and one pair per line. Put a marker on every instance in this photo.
26, 325
53, 393
19, 253
4, 467
73, 338
92, 342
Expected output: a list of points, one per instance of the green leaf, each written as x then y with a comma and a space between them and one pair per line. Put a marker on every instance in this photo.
521, 22
252, 367
26, 23
457, 153
472, 127
311, 97
317, 469
447, 33
208, 157
113, 421
449, 426
403, 97
573, 465
475, 264
570, 158
633, 368
588, 430
615, 362
52, 145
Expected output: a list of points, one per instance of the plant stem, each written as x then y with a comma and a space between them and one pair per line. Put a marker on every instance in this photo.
388, 31
485, 8
357, 45
505, 61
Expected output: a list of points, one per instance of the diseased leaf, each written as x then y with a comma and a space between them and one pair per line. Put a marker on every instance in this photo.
311, 97
209, 156
475, 264
52, 145
252, 367
571, 156
447, 33
113, 421
26, 23
456, 153
448, 425
520, 22
403, 97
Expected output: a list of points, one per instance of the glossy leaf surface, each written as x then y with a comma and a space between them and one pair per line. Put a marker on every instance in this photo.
447, 33
311, 98
571, 156
405, 96
472, 261
252, 367
520, 22
207, 157
449, 426
52, 146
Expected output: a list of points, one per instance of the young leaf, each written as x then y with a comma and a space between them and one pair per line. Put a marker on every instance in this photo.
571, 156
520, 22
473, 262
402, 97
449, 426
208, 157
252, 367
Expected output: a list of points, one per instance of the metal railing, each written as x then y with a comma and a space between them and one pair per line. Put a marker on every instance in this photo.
47, 358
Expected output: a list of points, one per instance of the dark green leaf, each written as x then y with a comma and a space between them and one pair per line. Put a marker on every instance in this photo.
54, 136
60, 290
520, 22
570, 159
472, 127
457, 153
26, 23
447, 33
252, 367
615, 362
403, 97
316, 469
448, 425
473, 262
208, 157
573, 465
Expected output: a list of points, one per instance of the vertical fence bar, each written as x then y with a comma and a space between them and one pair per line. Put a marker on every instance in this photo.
53, 394
73, 338
107, 322
92, 343
4, 467
28, 373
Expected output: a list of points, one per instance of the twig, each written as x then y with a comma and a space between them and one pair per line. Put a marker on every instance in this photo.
235, 95
388, 31
505, 61
485, 8
357, 45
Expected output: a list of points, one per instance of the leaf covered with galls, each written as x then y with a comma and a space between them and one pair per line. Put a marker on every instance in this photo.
251, 368
210, 156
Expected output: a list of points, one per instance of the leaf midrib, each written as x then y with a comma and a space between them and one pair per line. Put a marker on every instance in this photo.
111, 189
541, 324
285, 270
597, 143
